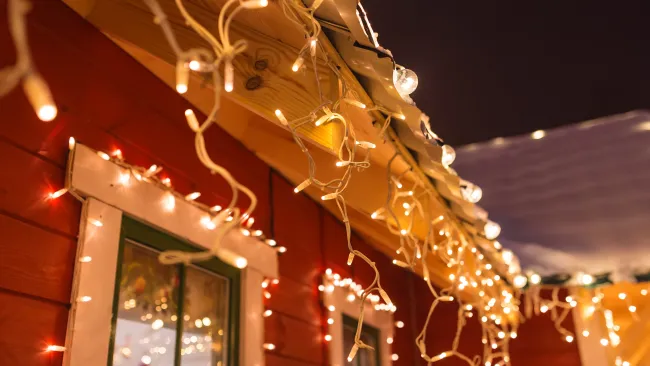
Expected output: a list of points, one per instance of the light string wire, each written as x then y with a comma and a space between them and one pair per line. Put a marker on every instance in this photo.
496, 303
35, 88
222, 52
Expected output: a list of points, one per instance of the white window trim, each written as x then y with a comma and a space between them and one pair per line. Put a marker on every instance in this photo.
89, 323
381, 320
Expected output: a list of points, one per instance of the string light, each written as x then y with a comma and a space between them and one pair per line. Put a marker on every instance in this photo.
405, 81
57, 194
54, 348
269, 346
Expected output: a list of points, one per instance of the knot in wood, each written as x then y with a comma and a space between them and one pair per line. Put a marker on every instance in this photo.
254, 82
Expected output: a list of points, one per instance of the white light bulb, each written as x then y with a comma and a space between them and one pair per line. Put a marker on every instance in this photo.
622, 295
281, 117
298, 64
53, 348
39, 96
254, 4
169, 202
192, 196
520, 281
394, 357
448, 155
57, 194
491, 230
182, 77
191, 120
535, 279
328, 337
228, 76
470, 191
539, 134
405, 81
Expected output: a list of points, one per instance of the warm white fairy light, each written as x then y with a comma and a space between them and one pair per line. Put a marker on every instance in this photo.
84, 299
57, 194
269, 346
55, 348
85, 259
103, 155
267, 313
622, 295
96, 222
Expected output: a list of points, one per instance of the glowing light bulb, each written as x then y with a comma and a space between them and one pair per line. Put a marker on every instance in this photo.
125, 178
632, 309
182, 77
57, 194
470, 192
312, 46
269, 346
191, 120
193, 196
350, 259
281, 117
268, 313
169, 202
405, 81
366, 144
282, 250
491, 230
399, 324
96, 222
448, 155
569, 338
85, 299
302, 186
403, 232
54, 348
228, 76
329, 196
353, 352
39, 96
513, 335
604, 342
85, 259
71, 143
535, 279
394, 357
622, 296
543, 308
585, 333
194, 65
585, 279
399, 116
342, 163
330, 321
255, 4
207, 223
539, 134
103, 155
297, 64
328, 337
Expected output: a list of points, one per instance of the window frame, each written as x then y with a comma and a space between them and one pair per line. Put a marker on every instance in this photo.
96, 181
158, 241
381, 320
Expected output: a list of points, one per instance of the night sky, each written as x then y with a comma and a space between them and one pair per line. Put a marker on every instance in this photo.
501, 68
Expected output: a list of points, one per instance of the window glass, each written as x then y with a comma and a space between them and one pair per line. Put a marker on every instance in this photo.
369, 336
147, 306
205, 334
155, 303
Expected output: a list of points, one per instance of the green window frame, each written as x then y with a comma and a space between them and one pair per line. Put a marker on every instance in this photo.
367, 332
158, 241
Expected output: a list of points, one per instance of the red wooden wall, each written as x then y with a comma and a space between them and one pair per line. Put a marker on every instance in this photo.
107, 100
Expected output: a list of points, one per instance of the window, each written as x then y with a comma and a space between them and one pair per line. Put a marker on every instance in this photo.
118, 281
155, 303
343, 313
369, 336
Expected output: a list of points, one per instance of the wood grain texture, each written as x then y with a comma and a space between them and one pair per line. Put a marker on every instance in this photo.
28, 327
34, 261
